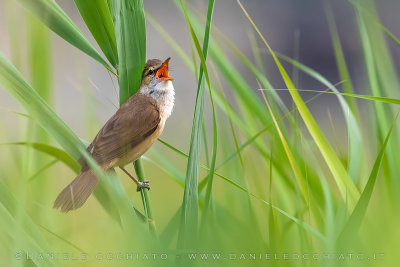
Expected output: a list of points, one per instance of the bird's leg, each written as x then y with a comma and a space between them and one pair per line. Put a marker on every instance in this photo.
140, 185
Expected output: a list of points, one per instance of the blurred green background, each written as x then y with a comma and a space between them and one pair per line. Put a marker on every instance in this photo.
273, 177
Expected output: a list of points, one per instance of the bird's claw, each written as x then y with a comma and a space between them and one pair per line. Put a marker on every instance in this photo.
144, 184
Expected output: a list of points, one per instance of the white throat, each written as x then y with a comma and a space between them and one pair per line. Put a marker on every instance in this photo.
164, 94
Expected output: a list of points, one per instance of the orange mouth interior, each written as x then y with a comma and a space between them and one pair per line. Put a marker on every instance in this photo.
162, 72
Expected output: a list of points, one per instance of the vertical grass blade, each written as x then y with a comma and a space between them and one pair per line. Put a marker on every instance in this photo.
382, 79
148, 211
215, 133
51, 14
343, 181
354, 142
296, 169
41, 76
247, 100
340, 60
130, 31
98, 19
40, 58
189, 220
219, 98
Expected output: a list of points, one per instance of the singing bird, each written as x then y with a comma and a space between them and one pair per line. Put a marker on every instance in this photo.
127, 135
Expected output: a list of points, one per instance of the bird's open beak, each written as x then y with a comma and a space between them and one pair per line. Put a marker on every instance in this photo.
162, 72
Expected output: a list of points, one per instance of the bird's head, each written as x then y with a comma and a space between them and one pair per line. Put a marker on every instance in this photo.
155, 73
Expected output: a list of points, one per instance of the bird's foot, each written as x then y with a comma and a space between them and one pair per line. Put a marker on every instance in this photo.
144, 184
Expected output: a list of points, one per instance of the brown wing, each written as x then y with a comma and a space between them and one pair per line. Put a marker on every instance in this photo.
130, 125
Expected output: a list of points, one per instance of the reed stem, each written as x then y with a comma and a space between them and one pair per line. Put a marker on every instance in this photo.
148, 211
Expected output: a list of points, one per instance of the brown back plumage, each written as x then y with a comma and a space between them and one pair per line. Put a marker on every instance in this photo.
135, 120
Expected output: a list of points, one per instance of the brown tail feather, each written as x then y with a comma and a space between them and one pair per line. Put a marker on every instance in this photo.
77, 192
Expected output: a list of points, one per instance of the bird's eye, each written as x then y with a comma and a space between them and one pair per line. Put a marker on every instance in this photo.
151, 71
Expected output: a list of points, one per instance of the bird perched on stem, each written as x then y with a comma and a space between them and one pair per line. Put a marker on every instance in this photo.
127, 135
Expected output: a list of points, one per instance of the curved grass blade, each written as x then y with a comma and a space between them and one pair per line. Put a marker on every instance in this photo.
248, 101
60, 155
372, 34
382, 78
351, 121
55, 152
343, 181
354, 131
354, 136
355, 220
219, 99
306, 227
40, 111
233, 183
262, 79
293, 163
302, 181
51, 14
257, 135
98, 19
377, 22
251, 140
244, 95
242, 89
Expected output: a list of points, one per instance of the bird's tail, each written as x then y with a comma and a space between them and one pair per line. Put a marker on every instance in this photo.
77, 192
